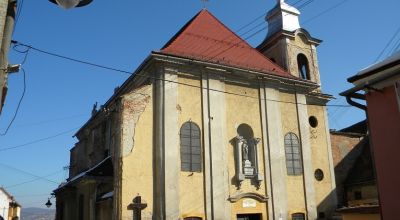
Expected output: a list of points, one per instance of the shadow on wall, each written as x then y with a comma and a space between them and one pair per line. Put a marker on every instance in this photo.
326, 209
344, 167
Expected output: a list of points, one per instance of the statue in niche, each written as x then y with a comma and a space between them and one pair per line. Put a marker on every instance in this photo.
246, 162
245, 149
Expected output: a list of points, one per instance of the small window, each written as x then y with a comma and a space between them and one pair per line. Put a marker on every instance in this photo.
192, 218
319, 174
298, 216
293, 155
190, 147
313, 121
304, 70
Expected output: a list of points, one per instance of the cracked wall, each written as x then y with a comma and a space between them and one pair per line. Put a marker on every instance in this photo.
137, 150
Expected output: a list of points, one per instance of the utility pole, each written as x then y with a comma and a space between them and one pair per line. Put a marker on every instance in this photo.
9, 21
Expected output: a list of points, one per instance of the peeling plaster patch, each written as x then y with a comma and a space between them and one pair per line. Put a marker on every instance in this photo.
134, 104
179, 108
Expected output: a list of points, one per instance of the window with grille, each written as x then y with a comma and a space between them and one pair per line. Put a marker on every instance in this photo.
190, 147
298, 216
293, 155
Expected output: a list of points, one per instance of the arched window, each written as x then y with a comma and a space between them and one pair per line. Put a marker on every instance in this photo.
190, 147
298, 216
293, 155
304, 70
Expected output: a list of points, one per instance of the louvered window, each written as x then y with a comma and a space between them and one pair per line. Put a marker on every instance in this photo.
293, 155
190, 147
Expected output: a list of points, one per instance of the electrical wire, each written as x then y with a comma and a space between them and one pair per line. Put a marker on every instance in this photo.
325, 11
37, 141
18, 106
50, 120
27, 173
32, 180
395, 47
388, 43
20, 5
70, 58
147, 75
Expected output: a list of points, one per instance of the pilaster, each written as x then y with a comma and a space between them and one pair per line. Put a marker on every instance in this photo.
308, 172
171, 138
276, 154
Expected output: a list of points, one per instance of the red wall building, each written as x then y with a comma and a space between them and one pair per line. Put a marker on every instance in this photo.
379, 85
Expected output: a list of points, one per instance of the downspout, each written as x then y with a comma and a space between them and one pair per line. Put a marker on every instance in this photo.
210, 145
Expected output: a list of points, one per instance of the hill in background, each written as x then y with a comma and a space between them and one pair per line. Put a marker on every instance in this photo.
37, 214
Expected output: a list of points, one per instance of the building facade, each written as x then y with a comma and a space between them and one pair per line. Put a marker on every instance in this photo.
356, 186
209, 127
379, 85
9, 208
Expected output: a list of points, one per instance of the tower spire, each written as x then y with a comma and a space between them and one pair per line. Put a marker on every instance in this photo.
283, 17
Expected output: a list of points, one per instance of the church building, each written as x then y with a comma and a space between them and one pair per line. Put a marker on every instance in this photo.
209, 127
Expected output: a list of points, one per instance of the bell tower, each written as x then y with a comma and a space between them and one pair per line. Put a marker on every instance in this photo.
289, 45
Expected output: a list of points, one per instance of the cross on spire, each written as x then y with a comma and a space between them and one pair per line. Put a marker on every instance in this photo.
204, 2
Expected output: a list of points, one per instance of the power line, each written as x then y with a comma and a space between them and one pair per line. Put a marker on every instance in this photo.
18, 106
50, 120
33, 180
37, 141
27, 173
325, 11
387, 44
395, 47
147, 75
70, 58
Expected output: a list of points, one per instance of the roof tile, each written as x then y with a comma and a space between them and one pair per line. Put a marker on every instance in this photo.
205, 38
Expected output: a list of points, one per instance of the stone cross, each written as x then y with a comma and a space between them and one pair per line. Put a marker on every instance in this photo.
137, 207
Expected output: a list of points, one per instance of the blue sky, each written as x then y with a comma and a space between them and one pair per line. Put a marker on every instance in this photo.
60, 93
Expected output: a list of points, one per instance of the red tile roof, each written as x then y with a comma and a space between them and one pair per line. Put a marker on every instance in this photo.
205, 38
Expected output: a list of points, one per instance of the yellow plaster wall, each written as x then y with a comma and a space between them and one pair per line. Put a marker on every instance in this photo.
191, 184
137, 166
242, 106
237, 208
295, 185
320, 151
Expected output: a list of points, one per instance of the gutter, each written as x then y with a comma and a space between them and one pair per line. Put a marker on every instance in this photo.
353, 92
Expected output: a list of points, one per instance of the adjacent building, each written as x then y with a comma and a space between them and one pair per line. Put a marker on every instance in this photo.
9, 208
379, 85
209, 127
356, 186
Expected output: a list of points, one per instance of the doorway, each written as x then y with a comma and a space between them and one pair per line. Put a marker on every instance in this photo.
249, 217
